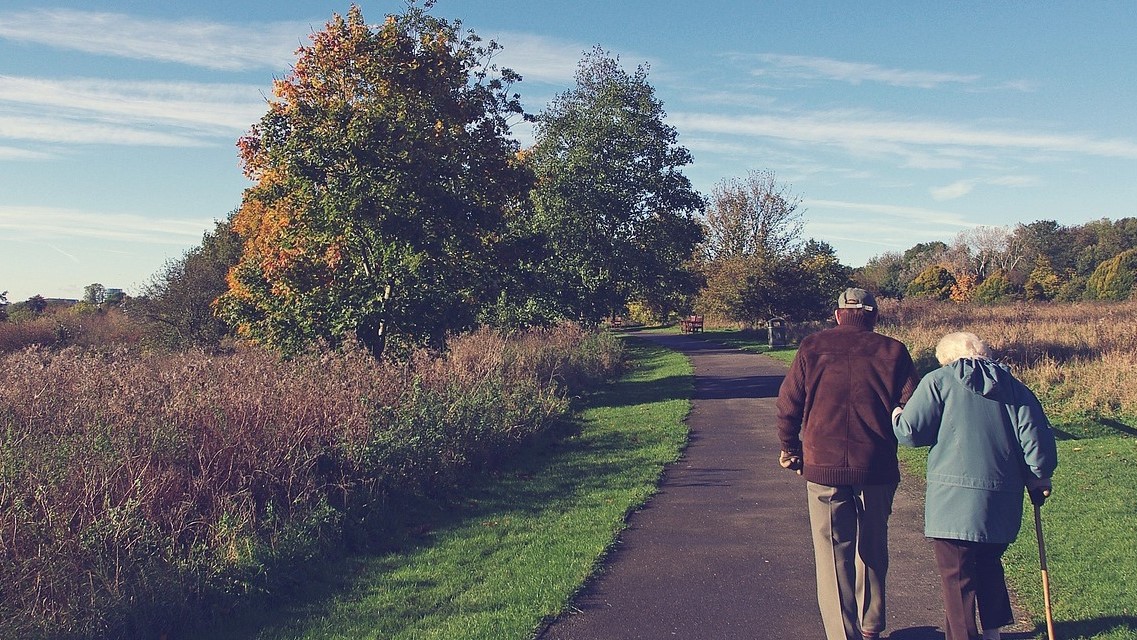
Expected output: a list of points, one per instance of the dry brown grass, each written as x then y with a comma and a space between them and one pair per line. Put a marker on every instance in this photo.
78, 325
135, 487
1080, 358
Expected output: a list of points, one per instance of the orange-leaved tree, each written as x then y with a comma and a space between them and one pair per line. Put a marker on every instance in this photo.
385, 176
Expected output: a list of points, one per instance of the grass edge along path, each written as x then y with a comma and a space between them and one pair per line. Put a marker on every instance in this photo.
508, 555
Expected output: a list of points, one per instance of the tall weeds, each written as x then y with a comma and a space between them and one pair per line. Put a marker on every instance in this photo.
1080, 358
139, 490
79, 326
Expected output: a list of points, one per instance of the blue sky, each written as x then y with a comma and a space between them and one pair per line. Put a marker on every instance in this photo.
896, 122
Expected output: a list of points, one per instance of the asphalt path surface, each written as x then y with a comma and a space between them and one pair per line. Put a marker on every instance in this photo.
723, 550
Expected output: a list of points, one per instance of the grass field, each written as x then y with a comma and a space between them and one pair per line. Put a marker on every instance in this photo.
509, 552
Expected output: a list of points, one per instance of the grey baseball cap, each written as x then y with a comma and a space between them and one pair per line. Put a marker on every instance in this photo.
853, 298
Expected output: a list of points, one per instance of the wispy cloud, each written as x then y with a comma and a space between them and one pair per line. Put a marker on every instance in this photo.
539, 58
854, 130
921, 214
197, 43
859, 232
39, 224
58, 130
15, 153
220, 108
960, 188
817, 68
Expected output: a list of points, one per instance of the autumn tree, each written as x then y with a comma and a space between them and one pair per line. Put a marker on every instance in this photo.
963, 286
1043, 282
755, 261
610, 198
384, 178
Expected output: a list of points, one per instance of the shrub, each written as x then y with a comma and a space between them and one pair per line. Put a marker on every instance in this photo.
934, 282
1113, 279
996, 288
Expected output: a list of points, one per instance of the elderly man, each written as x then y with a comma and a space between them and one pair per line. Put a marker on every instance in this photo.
834, 421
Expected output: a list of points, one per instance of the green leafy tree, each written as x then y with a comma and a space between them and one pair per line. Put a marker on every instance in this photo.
94, 294
36, 304
800, 286
883, 275
1050, 240
610, 198
114, 297
1072, 289
177, 305
994, 289
384, 179
933, 282
776, 288
1043, 283
825, 278
1114, 278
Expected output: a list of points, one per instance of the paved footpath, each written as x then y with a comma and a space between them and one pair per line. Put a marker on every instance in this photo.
723, 551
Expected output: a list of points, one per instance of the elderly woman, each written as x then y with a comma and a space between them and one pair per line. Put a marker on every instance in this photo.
989, 440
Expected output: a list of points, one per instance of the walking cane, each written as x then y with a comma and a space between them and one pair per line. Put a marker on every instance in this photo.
1045, 575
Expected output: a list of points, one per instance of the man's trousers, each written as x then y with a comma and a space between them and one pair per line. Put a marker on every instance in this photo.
850, 548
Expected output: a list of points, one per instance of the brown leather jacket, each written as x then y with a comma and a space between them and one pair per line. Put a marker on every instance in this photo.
835, 405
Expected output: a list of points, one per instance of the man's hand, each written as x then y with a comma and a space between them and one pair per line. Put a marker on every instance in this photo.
1039, 490
791, 461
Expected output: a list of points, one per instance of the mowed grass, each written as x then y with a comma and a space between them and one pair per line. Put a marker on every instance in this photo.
748, 340
1090, 532
505, 557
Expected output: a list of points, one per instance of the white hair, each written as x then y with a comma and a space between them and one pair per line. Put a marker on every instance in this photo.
961, 344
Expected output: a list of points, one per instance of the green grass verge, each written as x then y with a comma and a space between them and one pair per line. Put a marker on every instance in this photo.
741, 339
1090, 531
510, 553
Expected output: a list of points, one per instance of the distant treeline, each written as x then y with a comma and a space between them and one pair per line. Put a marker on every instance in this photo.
1042, 261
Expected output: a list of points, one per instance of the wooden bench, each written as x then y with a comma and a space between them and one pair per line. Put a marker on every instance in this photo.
691, 324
